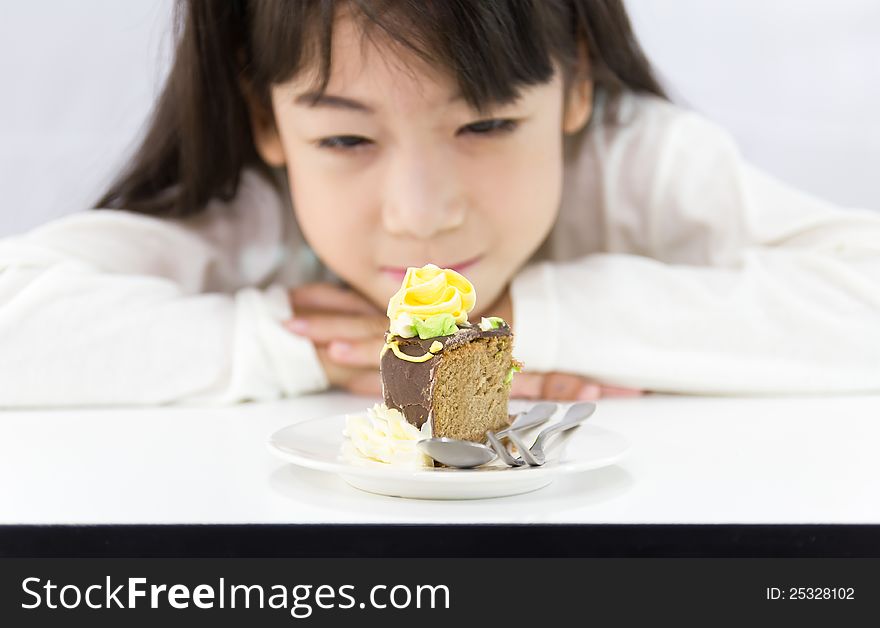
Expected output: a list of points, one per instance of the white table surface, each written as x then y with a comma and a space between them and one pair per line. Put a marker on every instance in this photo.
693, 460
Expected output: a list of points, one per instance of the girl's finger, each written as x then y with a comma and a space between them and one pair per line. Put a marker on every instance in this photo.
357, 380
562, 386
364, 353
367, 384
526, 385
322, 328
616, 391
556, 386
331, 298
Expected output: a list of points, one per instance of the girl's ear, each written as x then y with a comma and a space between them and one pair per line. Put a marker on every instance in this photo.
267, 140
579, 99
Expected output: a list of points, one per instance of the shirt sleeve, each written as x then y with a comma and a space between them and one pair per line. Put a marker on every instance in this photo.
112, 308
735, 284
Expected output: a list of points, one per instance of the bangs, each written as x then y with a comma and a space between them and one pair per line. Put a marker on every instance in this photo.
489, 48
200, 137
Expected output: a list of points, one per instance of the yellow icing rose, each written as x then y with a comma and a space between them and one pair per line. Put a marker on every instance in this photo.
429, 291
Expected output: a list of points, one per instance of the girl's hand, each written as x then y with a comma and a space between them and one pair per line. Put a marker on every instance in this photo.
564, 387
556, 386
348, 332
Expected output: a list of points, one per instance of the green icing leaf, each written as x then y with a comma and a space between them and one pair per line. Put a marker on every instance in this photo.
513, 369
490, 323
433, 326
495, 321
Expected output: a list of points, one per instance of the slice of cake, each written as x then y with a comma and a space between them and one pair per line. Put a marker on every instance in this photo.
437, 367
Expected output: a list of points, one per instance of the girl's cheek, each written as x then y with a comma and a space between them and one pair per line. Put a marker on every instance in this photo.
334, 216
518, 181
326, 197
521, 195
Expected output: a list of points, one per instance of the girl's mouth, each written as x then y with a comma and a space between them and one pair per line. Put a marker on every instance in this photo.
397, 273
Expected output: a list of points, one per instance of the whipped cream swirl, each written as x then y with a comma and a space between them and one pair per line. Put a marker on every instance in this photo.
383, 434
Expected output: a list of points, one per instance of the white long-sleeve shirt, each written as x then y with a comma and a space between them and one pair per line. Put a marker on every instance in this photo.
674, 266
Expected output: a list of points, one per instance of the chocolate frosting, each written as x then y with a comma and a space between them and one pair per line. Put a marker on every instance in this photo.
407, 386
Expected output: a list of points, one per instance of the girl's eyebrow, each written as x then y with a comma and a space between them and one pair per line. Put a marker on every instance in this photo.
317, 99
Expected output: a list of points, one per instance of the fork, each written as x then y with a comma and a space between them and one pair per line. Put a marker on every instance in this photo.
502, 451
534, 455
536, 415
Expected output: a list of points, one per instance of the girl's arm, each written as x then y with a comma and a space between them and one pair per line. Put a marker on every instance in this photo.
107, 307
730, 282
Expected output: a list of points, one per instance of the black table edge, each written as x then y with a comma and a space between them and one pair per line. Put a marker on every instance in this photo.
443, 540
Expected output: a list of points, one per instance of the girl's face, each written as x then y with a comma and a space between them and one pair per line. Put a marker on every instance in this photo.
390, 168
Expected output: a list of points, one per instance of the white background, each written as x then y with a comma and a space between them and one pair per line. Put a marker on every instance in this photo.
796, 81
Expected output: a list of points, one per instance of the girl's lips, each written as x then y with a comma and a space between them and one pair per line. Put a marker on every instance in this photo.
399, 273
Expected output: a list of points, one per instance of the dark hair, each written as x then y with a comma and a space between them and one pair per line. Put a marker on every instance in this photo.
199, 138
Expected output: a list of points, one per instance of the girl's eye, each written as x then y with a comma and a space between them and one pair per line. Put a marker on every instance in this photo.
343, 142
490, 127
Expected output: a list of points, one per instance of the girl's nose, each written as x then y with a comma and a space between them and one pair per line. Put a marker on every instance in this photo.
423, 197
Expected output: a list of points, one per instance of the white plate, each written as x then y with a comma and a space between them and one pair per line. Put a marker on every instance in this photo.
317, 444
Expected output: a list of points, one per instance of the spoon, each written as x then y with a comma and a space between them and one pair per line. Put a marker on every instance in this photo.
537, 414
465, 454
453, 452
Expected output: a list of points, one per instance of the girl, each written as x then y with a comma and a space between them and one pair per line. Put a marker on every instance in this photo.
303, 154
